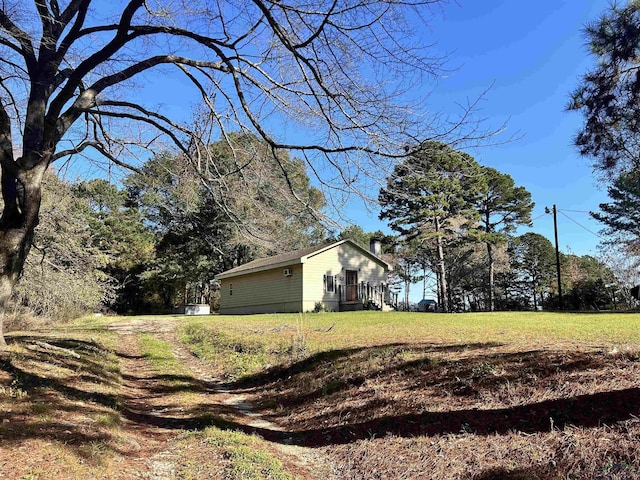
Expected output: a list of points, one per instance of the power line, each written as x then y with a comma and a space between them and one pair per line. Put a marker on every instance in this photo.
576, 211
539, 216
580, 225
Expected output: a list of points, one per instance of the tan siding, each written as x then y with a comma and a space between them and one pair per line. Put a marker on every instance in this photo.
268, 291
332, 262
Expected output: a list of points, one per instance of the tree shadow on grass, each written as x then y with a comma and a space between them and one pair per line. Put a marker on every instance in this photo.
192, 420
587, 411
167, 384
29, 381
512, 474
326, 386
339, 373
86, 356
56, 396
330, 357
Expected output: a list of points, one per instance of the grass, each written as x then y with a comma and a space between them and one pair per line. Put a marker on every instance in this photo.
244, 345
241, 457
57, 388
485, 395
160, 356
370, 327
63, 405
234, 355
384, 395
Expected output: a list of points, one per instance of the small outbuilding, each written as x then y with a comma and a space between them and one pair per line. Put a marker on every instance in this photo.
427, 305
336, 277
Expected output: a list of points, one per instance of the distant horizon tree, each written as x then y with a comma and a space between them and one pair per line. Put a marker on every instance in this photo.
534, 260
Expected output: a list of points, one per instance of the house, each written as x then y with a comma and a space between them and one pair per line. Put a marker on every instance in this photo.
340, 276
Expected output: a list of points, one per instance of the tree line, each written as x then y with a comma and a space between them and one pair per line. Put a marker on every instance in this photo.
455, 221
158, 239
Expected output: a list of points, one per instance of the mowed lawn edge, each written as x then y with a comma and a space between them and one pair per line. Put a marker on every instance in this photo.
344, 329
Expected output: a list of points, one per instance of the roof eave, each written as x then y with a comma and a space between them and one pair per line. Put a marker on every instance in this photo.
262, 268
302, 259
354, 244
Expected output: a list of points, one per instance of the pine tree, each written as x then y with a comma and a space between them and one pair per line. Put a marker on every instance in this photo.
428, 191
502, 207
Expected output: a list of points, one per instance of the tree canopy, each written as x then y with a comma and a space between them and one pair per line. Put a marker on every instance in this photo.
534, 260
609, 95
621, 215
502, 207
434, 184
205, 228
431, 196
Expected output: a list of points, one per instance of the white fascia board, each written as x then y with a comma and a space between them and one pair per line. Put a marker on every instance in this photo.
353, 244
263, 268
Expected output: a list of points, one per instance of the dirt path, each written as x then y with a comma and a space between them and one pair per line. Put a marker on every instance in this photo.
161, 422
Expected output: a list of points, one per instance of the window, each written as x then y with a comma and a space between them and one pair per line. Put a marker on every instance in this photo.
329, 284
230, 289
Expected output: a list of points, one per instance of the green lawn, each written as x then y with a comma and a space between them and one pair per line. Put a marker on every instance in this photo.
248, 343
381, 327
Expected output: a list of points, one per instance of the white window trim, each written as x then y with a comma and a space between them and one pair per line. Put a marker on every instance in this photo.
333, 284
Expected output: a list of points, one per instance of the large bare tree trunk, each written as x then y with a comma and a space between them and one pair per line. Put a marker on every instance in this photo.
21, 196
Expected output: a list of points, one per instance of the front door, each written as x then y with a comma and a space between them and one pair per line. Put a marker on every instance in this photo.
351, 280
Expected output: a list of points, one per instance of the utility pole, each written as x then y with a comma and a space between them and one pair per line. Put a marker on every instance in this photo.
555, 231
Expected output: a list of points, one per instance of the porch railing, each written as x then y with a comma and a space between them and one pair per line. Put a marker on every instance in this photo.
375, 296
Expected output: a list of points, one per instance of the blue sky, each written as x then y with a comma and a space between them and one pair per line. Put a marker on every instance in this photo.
532, 54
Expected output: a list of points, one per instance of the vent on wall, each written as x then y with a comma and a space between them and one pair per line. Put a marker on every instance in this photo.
287, 272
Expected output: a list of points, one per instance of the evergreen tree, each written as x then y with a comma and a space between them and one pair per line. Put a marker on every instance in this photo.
622, 214
587, 283
502, 207
117, 230
609, 96
534, 260
357, 234
431, 196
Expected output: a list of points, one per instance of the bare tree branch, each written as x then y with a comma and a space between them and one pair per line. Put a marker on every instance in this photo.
26, 47
332, 72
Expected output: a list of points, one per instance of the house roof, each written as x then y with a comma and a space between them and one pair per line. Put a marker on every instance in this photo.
427, 301
291, 258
